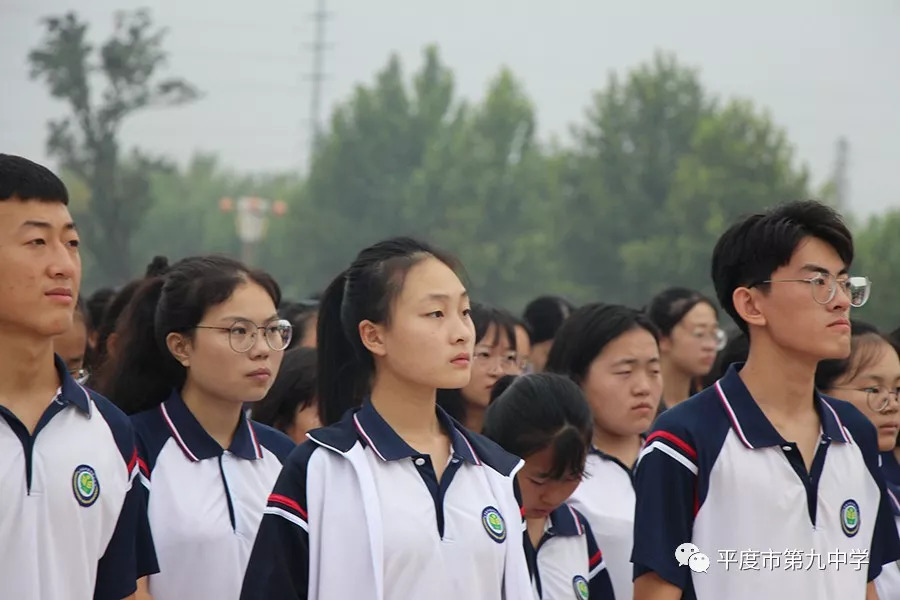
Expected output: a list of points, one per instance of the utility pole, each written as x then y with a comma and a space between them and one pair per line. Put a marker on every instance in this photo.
317, 76
839, 177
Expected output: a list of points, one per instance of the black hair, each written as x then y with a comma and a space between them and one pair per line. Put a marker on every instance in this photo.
144, 372
294, 389
365, 291
865, 347
544, 315
483, 318
300, 314
587, 332
96, 304
752, 249
542, 410
22, 179
895, 339
670, 306
736, 350
99, 358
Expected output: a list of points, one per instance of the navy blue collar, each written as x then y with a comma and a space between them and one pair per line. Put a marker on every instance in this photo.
564, 521
70, 392
750, 424
890, 467
196, 443
375, 432
893, 492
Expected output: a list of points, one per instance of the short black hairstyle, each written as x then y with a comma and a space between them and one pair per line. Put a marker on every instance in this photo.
544, 316
754, 247
294, 389
669, 307
543, 410
22, 179
96, 304
587, 332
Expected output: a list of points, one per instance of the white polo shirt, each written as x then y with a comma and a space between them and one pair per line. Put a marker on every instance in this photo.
714, 472
69, 514
888, 582
441, 540
566, 562
205, 503
606, 497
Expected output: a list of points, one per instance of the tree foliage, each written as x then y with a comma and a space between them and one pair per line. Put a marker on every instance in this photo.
87, 141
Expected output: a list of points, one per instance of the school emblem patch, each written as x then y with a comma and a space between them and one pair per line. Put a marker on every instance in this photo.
850, 518
85, 485
494, 524
582, 592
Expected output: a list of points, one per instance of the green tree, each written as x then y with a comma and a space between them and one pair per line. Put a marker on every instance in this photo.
87, 142
659, 170
878, 257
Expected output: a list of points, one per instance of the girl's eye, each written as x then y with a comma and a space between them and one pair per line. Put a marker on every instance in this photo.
467, 312
38, 242
74, 243
436, 313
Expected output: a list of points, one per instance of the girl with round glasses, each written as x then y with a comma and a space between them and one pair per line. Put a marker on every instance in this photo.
870, 380
196, 343
690, 338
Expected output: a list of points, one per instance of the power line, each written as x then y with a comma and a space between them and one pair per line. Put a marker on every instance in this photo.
317, 76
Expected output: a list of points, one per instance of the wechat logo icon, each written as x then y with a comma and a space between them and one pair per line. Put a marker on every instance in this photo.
690, 555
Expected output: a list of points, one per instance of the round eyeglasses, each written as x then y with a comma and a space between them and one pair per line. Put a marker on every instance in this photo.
715, 335
824, 286
242, 334
877, 399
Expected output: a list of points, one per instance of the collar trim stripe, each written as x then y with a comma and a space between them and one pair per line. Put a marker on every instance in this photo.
368, 439
578, 525
836, 418
471, 449
176, 435
256, 445
732, 416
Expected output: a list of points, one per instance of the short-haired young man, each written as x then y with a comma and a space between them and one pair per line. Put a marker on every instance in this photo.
778, 485
72, 521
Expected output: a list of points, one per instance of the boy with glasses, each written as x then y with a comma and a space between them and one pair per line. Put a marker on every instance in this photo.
778, 485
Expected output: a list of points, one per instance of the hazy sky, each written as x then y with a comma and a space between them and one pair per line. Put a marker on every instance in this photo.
824, 68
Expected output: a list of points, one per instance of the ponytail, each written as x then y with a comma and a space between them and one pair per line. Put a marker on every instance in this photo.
343, 370
143, 372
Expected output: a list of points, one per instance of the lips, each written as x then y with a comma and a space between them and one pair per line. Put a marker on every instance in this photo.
260, 373
60, 291
842, 323
462, 359
642, 406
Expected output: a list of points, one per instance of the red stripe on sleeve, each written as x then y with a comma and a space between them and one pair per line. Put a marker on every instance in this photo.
143, 467
595, 559
685, 447
285, 501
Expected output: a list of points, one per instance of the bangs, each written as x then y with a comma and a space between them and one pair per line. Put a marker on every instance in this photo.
570, 449
865, 351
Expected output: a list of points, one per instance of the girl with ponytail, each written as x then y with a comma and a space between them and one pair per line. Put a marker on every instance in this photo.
196, 342
393, 498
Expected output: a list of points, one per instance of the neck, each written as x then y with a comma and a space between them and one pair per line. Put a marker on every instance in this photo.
408, 408
778, 380
474, 417
676, 384
535, 529
27, 369
623, 447
218, 417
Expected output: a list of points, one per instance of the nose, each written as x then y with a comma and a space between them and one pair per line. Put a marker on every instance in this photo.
463, 331
64, 263
642, 385
260, 348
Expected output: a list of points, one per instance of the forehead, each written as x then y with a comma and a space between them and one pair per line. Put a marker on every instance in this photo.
495, 337
14, 213
638, 343
428, 279
249, 301
701, 313
813, 251
878, 359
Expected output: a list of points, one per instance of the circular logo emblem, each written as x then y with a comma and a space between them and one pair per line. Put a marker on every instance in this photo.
581, 588
85, 485
494, 524
850, 518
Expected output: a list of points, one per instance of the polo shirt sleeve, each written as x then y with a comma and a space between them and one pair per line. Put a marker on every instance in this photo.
146, 553
885, 546
666, 501
599, 582
279, 563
